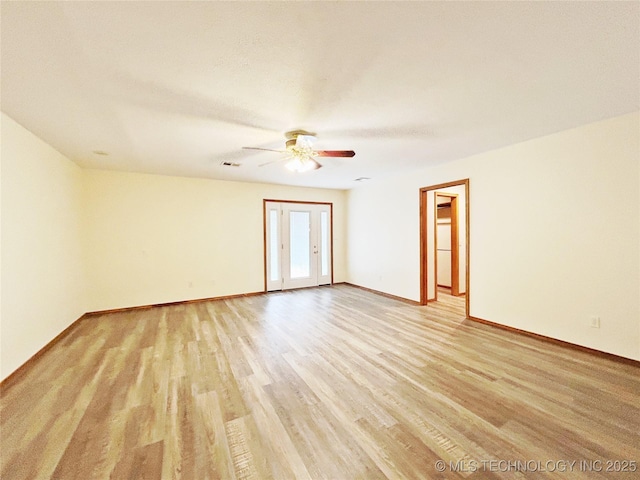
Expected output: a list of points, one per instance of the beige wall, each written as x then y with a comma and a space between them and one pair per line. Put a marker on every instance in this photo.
41, 247
545, 261
156, 239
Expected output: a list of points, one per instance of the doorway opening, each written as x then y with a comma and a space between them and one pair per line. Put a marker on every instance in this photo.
446, 244
444, 241
298, 244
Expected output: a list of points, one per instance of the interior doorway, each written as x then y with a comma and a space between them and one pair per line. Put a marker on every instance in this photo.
457, 194
446, 244
298, 244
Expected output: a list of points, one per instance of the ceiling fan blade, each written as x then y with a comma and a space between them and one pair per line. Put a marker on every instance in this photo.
335, 153
264, 149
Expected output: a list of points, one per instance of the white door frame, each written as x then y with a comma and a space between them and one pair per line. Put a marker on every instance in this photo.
277, 257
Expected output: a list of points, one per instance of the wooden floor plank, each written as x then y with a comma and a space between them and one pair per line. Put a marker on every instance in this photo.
331, 382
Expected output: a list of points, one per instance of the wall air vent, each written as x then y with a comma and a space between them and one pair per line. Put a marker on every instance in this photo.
230, 164
362, 179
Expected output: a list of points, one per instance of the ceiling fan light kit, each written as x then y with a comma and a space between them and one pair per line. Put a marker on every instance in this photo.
302, 164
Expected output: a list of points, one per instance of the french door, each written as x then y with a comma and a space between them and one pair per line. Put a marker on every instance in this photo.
298, 245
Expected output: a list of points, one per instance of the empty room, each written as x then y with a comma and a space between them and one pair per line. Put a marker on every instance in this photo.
319, 240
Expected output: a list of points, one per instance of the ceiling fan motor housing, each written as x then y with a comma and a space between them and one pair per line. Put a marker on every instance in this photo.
293, 134
292, 137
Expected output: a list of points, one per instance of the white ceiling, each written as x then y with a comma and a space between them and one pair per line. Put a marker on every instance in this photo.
177, 88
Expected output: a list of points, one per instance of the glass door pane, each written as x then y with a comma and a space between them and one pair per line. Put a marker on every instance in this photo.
324, 243
274, 246
299, 245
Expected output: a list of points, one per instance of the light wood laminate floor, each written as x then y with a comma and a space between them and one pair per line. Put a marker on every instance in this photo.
331, 382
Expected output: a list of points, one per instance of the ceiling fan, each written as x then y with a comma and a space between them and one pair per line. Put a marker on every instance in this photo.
300, 153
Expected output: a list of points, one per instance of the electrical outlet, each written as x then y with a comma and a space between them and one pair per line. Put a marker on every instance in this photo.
594, 322
190, 284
